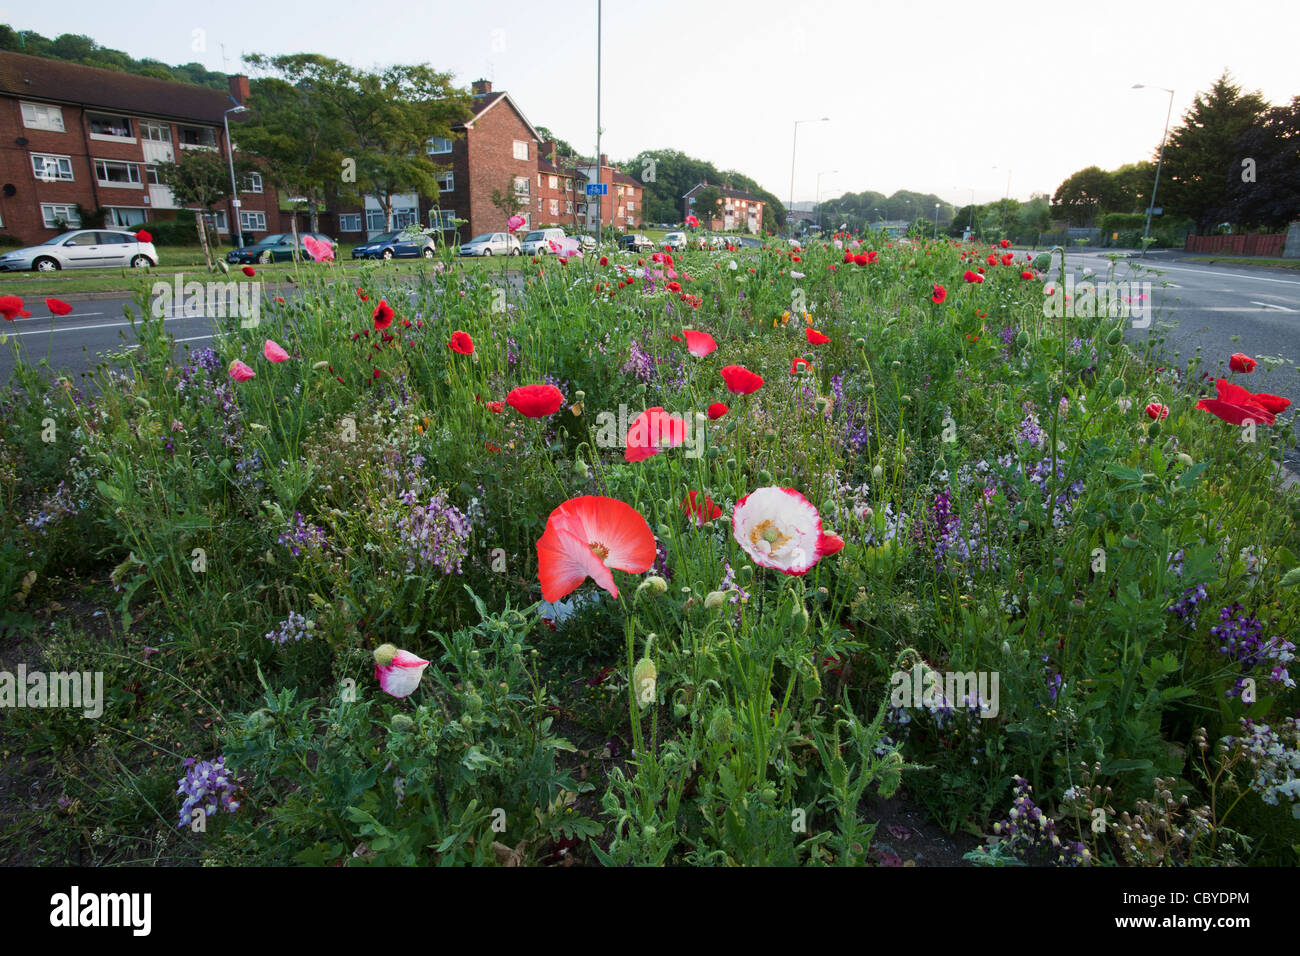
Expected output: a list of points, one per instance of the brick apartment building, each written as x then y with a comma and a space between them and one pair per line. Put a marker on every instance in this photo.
75, 135
739, 209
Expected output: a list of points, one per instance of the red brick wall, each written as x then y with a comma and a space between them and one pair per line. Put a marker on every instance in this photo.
492, 166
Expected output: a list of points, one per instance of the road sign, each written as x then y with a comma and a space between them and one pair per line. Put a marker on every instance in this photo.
1157, 210
597, 189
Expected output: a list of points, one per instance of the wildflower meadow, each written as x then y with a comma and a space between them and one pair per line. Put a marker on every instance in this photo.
708, 557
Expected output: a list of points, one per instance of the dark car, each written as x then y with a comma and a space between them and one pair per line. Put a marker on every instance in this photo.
277, 247
636, 242
398, 244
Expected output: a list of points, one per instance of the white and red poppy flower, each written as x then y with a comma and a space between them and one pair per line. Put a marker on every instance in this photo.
398, 671
566, 246
699, 344
586, 537
780, 529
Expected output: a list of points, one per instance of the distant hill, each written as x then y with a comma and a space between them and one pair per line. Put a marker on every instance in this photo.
75, 48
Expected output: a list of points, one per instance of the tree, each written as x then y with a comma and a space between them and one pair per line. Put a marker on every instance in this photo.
201, 178
1085, 194
1263, 181
507, 201
387, 120
705, 204
1200, 152
1133, 187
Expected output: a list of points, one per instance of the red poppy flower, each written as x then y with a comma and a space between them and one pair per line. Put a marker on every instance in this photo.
1236, 414
860, 259
699, 344
604, 260
848, 257
248, 271
11, 306
1241, 363
652, 431
1008, 258
536, 401
799, 364
717, 410
815, 337
58, 306
700, 508
491, 447
1274, 403
740, 380
1026, 274
871, 256
940, 293
586, 537
383, 315
973, 276
496, 408
792, 258
1157, 411
143, 236
461, 342
376, 373
674, 287
1006, 243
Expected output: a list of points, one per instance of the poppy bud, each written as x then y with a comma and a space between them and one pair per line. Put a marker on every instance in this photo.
1153, 430
720, 727
1115, 337
714, 600
679, 711
663, 530
764, 477
1185, 458
654, 584
811, 683
1022, 339
401, 723
1116, 387
1129, 542
580, 469
1138, 511
644, 676
877, 472
745, 574
1291, 578
1042, 261
799, 619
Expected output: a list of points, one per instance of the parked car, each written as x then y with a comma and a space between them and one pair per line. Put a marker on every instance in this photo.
491, 244
537, 242
636, 242
82, 249
749, 242
677, 240
277, 247
398, 244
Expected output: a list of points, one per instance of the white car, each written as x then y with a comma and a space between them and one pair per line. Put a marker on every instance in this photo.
538, 242
675, 239
83, 249
491, 244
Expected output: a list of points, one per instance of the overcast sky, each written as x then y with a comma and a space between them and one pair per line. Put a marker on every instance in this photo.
921, 95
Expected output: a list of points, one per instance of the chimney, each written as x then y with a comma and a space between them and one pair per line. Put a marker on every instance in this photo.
604, 159
481, 87
238, 87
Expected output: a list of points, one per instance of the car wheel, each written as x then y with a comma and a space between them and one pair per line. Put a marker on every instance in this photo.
540, 251
265, 258
514, 252
487, 252
141, 262
387, 254
428, 253
46, 264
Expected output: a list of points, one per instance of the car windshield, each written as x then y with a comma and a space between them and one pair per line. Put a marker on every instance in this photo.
273, 239
387, 236
485, 237
54, 240
535, 237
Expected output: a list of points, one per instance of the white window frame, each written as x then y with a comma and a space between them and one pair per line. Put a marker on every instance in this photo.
40, 115
447, 181
252, 220
553, 182
218, 219
149, 127
521, 146
350, 222
522, 186
568, 207
50, 212
404, 216
442, 219
112, 137
183, 145
555, 207
375, 221
439, 145
115, 221
61, 162
136, 183
253, 183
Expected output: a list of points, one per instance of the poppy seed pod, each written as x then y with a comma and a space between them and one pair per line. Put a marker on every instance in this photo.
1042, 261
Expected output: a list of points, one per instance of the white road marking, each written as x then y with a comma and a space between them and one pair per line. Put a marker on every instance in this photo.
195, 338
1270, 305
46, 318
106, 325
1216, 272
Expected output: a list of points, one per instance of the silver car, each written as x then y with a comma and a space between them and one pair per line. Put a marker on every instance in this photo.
83, 249
491, 244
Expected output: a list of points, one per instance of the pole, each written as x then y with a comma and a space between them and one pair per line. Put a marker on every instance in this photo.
600, 200
236, 227
789, 210
1146, 231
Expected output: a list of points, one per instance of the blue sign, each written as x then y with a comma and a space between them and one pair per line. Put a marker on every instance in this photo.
597, 189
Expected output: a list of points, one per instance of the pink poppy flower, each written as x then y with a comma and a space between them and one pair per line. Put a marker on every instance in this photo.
240, 372
274, 353
319, 250
398, 671
699, 344
586, 537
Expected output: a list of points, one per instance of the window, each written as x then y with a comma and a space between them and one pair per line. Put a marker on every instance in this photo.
447, 182
439, 145
155, 132
217, 218
125, 216
253, 183
568, 206
553, 182
110, 173
108, 124
555, 207
521, 185
539, 203
52, 169
521, 149
40, 116
55, 213
151, 176
404, 216
197, 137
350, 222
442, 218
375, 221
252, 221
631, 207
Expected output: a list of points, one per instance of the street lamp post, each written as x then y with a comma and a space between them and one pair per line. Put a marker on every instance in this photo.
236, 227
1146, 231
794, 149
824, 172
936, 221
1005, 199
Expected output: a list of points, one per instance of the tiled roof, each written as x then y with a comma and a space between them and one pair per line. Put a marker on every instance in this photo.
726, 191
626, 180
55, 81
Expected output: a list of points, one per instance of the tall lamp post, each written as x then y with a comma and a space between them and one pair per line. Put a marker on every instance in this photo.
1146, 231
1005, 199
794, 152
236, 227
936, 221
824, 172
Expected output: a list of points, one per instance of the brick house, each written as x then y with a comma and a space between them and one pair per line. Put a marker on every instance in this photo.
495, 149
739, 209
622, 207
82, 136
560, 199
